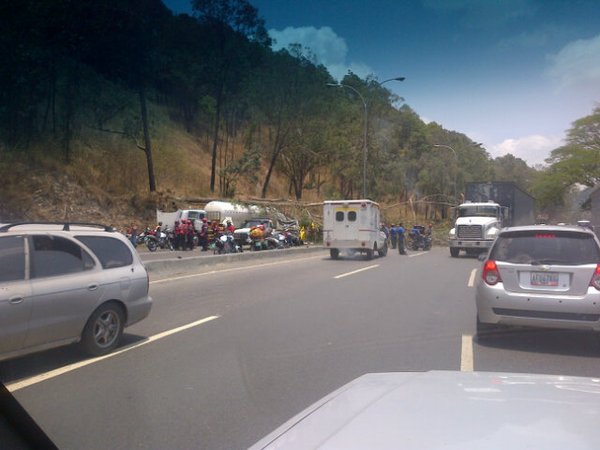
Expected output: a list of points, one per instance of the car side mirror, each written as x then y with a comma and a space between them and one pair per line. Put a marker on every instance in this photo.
482, 257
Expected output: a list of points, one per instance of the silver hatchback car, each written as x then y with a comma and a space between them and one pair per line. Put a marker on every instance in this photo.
540, 276
66, 283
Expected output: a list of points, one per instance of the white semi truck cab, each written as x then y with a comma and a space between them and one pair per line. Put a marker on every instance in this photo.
476, 227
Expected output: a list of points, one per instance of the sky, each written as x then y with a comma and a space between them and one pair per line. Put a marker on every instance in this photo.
511, 74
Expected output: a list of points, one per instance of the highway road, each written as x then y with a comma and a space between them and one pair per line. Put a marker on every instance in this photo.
231, 352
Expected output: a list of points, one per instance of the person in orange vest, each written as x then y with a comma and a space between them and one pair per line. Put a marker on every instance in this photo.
179, 235
189, 235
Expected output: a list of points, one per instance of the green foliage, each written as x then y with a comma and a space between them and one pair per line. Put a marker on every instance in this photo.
510, 168
87, 71
577, 162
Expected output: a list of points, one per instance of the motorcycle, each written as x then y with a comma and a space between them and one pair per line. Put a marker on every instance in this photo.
418, 239
282, 240
225, 244
165, 239
148, 238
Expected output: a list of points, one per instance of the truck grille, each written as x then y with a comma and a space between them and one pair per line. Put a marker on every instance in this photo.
469, 232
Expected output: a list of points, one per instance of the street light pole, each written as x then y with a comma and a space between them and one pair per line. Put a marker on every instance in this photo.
366, 126
456, 170
366, 131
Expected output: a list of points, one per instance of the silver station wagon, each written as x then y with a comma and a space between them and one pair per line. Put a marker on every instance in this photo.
66, 283
540, 276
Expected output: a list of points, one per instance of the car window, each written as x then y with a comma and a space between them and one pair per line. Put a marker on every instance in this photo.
12, 258
339, 216
352, 216
110, 251
545, 247
52, 255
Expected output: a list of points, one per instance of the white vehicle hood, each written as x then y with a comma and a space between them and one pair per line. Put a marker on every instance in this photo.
449, 410
475, 220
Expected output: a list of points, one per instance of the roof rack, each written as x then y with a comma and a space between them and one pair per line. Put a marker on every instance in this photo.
66, 225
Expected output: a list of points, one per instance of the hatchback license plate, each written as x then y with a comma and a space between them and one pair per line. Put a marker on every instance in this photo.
544, 278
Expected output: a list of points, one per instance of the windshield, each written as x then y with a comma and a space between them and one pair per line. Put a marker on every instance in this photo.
383, 144
253, 223
482, 211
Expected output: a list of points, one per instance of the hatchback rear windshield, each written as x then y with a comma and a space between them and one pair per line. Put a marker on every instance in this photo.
546, 247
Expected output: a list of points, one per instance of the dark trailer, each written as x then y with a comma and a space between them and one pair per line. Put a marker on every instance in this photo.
521, 205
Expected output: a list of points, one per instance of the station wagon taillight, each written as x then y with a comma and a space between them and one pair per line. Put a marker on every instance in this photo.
490, 273
596, 278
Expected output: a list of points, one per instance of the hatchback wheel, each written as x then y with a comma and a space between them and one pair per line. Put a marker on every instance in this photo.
103, 330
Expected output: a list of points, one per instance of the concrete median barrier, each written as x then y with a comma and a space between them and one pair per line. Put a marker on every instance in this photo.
187, 264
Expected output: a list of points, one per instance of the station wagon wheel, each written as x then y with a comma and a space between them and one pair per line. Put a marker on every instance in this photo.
103, 330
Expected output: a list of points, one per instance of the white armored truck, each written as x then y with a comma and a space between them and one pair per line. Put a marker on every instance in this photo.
353, 226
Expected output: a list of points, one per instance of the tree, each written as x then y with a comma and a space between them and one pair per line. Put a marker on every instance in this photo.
511, 168
577, 162
231, 23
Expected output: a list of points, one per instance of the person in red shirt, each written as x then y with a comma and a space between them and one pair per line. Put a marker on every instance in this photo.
203, 235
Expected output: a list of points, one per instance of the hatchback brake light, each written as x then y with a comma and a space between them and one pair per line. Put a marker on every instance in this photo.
595, 282
491, 275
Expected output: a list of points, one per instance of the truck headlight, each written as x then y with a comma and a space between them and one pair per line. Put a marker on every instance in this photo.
452, 233
491, 233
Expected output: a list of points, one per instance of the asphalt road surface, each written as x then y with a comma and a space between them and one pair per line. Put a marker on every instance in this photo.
229, 354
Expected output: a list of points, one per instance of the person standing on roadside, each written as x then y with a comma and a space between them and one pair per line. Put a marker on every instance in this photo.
189, 235
133, 233
179, 235
401, 239
203, 235
393, 235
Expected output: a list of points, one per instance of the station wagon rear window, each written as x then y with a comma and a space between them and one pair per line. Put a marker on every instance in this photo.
546, 247
111, 252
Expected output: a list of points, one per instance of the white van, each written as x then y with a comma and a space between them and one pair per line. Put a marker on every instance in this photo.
353, 225
168, 218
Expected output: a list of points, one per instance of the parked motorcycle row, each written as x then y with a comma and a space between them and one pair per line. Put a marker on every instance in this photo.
219, 242
275, 240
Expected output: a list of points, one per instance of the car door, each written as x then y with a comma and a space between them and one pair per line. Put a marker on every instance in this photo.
124, 278
15, 294
66, 288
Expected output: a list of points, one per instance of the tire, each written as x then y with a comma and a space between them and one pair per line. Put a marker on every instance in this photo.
369, 254
151, 244
383, 251
103, 330
334, 253
454, 251
486, 331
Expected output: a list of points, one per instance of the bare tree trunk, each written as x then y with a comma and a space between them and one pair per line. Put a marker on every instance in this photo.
147, 143
213, 164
